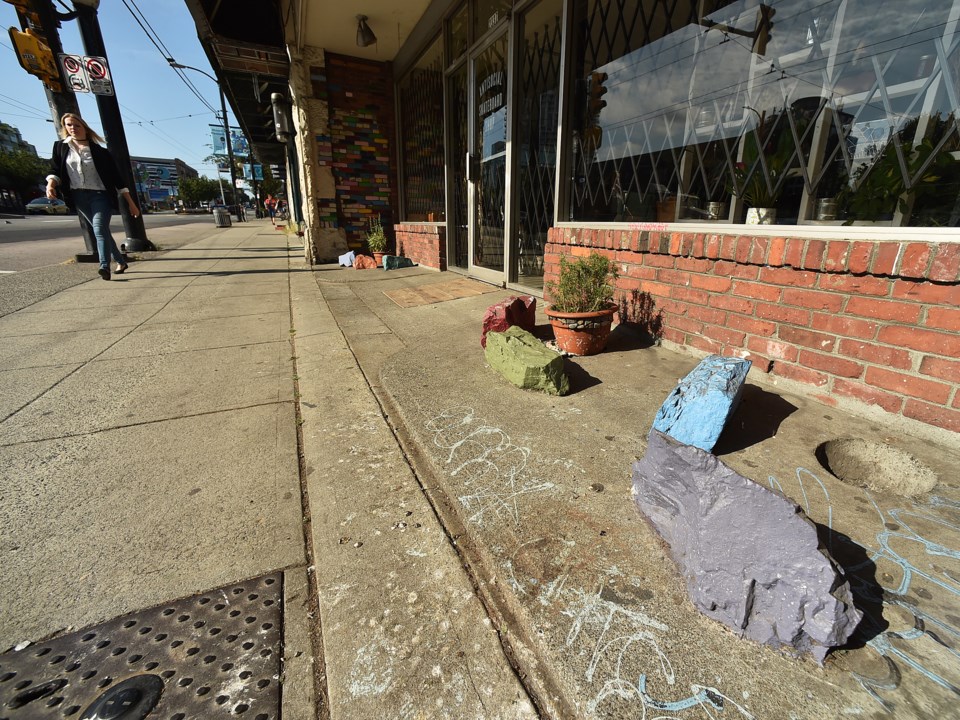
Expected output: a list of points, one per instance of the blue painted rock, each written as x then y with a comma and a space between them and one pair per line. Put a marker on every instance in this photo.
698, 408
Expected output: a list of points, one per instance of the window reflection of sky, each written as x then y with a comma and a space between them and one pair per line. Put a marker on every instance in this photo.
657, 91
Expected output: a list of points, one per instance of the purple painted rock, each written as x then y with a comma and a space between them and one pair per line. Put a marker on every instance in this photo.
519, 311
750, 557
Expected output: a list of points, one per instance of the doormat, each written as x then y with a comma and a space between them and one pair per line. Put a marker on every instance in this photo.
438, 292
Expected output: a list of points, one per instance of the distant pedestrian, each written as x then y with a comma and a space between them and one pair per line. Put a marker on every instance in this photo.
90, 182
270, 204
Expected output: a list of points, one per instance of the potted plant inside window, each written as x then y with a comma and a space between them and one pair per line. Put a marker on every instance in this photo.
760, 181
377, 240
581, 304
879, 188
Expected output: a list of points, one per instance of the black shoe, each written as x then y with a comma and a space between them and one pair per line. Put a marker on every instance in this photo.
120, 268
104, 273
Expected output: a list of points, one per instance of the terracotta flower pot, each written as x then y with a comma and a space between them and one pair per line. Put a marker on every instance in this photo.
584, 333
378, 258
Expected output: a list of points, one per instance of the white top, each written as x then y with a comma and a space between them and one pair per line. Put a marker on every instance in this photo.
83, 173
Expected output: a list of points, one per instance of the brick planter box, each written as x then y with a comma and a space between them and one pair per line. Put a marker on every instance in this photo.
872, 321
424, 243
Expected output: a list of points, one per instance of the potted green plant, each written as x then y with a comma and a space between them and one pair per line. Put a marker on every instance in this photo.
376, 240
759, 182
878, 189
581, 303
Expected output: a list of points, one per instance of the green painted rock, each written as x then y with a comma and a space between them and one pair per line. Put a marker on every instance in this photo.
526, 362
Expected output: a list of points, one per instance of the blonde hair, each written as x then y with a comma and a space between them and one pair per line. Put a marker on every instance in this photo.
91, 133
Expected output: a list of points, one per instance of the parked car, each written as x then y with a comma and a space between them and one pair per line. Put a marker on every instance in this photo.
46, 206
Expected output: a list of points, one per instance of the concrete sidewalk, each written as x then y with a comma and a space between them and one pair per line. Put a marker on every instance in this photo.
534, 491
148, 443
448, 546
150, 456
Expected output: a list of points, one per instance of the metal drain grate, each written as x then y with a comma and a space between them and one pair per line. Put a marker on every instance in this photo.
217, 655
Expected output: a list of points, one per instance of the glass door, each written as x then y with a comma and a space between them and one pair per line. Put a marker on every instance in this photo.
487, 160
458, 250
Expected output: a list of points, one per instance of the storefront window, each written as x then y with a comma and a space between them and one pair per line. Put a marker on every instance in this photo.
458, 31
488, 13
806, 111
539, 81
421, 112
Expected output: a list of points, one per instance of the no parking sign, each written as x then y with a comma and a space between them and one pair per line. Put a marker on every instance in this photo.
74, 73
98, 74
86, 73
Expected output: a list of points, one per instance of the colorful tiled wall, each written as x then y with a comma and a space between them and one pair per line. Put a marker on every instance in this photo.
360, 94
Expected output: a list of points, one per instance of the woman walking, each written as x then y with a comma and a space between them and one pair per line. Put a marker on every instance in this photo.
90, 183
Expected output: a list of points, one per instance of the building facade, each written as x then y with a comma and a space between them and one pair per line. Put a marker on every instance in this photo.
158, 178
12, 141
776, 180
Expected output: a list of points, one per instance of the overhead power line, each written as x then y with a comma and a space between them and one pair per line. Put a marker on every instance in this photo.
23, 106
155, 40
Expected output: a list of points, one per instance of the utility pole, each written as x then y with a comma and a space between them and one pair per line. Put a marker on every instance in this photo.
112, 124
40, 17
226, 132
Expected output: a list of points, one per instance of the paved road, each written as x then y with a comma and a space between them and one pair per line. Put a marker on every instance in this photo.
41, 240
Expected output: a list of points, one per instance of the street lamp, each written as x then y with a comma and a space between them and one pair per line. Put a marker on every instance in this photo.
226, 128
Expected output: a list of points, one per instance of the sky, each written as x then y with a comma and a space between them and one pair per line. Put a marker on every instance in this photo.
161, 116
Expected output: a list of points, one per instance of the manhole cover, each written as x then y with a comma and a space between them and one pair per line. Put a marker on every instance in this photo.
877, 466
208, 656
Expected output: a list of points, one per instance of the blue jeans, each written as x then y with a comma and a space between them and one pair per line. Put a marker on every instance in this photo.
95, 206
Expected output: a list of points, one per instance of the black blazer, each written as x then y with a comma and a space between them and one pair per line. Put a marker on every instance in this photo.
102, 160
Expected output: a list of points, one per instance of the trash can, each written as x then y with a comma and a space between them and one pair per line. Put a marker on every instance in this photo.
221, 217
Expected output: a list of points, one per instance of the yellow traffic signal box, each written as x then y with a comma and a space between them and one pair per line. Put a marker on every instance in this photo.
35, 57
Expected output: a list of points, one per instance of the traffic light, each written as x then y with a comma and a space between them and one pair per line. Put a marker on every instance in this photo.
591, 139
761, 35
35, 57
595, 102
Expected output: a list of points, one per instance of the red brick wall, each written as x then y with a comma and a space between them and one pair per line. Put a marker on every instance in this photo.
873, 321
424, 244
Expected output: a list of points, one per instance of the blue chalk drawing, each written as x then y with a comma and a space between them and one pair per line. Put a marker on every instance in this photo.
614, 631
703, 696
909, 649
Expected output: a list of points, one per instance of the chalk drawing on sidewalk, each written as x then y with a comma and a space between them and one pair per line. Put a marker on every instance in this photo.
925, 593
490, 467
372, 671
616, 633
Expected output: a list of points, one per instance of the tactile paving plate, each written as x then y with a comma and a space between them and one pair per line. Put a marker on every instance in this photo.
217, 653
